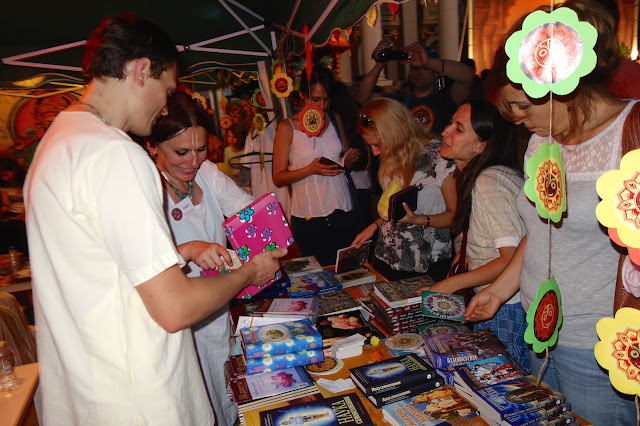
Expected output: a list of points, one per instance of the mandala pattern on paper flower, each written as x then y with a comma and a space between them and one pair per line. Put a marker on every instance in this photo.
225, 122
312, 120
281, 85
619, 349
258, 99
551, 52
545, 185
544, 317
445, 305
619, 209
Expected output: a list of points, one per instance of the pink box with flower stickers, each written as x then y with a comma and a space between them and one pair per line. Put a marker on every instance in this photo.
259, 227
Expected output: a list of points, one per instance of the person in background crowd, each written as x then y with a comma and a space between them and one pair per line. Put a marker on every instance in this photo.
407, 157
588, 125
13, 232
429, 105
481, 143
234, 140
323, 217
204, 195
112, 305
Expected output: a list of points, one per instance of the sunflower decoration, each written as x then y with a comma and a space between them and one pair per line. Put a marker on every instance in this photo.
551, 52
281, 85
225, 121
312, 120
619, 349
259, 123
544, 317
258, 99
545, 186
619, 209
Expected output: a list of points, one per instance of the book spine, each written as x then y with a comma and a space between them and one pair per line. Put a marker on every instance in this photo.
537, 416
537, 406
405, 392
400, 383
241, 392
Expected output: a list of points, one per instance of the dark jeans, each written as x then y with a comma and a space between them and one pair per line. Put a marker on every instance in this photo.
322, 237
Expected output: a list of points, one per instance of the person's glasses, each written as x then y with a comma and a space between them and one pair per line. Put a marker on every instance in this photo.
365, 121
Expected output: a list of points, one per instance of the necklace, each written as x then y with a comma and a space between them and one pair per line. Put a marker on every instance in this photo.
94, 111
181, 194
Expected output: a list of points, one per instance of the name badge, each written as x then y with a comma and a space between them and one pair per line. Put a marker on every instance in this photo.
183, 209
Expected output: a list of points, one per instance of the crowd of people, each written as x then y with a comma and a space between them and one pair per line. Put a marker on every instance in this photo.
128, 331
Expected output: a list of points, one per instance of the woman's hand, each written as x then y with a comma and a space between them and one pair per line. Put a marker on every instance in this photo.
206, 255
317, 168
483, 305
411, 217
445, 286
365, 235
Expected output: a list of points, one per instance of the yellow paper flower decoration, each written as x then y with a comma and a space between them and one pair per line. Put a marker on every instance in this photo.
619, 209
281, 85
618, 350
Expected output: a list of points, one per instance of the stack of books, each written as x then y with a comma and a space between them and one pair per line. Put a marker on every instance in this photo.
395, 379
442, 406
278, 346
446, 351
353, 298
506, 396
278, 310
313, 284
397, 305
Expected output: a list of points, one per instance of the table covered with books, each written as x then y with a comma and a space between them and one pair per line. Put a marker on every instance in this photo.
353, 349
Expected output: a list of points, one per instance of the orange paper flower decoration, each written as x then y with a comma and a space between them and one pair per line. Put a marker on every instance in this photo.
312, 120
281, 85
619, 349
226, 121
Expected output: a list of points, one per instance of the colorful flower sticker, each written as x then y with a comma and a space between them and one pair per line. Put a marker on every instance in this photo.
619, 209
246, 214
551, 52
225, 121
544, 317
259, 123
312, 120
281, 85
258, 99
545, 186
619, 349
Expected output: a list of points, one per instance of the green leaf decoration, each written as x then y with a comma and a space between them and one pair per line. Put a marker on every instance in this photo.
544, 317
551, 52
546, 185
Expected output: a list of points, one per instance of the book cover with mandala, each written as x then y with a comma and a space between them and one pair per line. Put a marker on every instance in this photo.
442, 305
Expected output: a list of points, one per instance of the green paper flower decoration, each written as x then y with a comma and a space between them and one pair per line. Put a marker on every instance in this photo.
545, 186
619, 209
544, 317
551, 52
619, 349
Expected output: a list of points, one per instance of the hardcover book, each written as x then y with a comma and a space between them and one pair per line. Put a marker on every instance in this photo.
450, 350
402, 292
350, 258
306, 306
249, 414
259, 227
484, 372
269, 384
343, 410
282, 338
313, 284
391, 374
443, 306
337, 302
355, 277
515, 397
301, 265
543, 416
269, 363
405, 392
336, 327
430, 408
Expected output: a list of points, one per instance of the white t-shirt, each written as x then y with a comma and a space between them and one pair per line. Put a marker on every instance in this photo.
96, 230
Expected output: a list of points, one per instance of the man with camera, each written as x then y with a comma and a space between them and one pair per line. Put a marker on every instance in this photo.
436, 86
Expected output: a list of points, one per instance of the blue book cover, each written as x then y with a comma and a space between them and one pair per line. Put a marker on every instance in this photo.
485, 372
430, 408
282, 338
313, 284
449, 350
267, 364
390, 374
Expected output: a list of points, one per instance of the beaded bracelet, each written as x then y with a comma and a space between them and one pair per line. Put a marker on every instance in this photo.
426, 225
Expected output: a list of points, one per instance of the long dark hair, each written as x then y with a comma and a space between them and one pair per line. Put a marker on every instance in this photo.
500, 149
184, 111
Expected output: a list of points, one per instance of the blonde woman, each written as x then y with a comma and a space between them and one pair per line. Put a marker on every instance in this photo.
408, 156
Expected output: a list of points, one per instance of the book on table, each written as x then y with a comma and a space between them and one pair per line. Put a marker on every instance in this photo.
350, 258
390, 374
484, 372
355, 277
449, 350
402, 292
305, 306
405, 392
249, 414
313, 284
273, 383
513, 398
270, 363
558, 415
430, 408
278, 339
301, 265
343, 410
336, 327
337, 302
